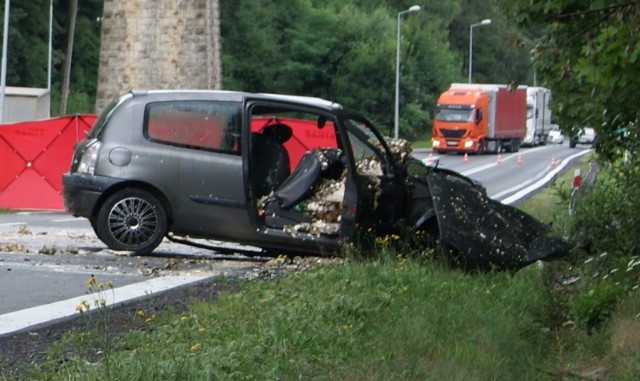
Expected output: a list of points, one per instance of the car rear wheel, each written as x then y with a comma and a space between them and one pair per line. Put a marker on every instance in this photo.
131, 220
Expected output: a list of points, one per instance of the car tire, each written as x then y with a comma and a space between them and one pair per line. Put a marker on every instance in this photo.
94, 225
131, 220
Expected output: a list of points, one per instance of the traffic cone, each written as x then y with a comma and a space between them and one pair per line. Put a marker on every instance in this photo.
499, 161
466, 158
430, 158
519, 160
553, 162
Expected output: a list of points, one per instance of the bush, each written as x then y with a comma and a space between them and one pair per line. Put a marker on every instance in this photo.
606, 218
606, 229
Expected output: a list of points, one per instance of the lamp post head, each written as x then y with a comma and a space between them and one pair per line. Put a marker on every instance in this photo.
485, 22
416, 8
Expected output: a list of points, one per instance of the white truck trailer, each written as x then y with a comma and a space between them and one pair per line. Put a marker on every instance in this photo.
538, 116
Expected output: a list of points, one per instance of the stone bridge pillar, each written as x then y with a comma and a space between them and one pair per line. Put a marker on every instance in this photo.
158, 44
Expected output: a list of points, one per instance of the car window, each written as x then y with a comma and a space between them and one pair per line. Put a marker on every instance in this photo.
196, 124
367, 150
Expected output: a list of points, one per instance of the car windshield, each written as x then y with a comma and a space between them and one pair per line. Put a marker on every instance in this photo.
448, 114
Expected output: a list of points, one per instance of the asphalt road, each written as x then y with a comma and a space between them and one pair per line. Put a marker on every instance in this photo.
513, 176
46, 258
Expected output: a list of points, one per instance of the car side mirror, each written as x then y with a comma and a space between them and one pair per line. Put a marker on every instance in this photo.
478, 115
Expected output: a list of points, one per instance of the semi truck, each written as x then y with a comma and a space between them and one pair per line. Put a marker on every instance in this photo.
538, 116
480, 118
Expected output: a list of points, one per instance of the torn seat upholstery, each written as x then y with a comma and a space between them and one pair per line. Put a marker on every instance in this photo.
280, 208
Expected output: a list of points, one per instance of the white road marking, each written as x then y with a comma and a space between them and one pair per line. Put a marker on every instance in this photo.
19, 320
70, 220
517, 196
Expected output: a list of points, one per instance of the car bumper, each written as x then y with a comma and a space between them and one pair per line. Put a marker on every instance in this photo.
81, 192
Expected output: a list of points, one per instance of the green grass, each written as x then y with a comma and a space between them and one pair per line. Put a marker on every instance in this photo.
421, 144
379, 320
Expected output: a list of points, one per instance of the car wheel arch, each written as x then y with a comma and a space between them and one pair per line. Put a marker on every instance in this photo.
134, 185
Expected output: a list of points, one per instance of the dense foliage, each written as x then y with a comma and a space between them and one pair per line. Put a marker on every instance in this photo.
588, 54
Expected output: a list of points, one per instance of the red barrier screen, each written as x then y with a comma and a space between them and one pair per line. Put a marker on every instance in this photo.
33, 157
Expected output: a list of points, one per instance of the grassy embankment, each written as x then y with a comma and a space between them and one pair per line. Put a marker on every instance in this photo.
401, 316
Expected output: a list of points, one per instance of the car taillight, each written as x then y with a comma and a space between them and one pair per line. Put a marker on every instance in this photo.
89, 157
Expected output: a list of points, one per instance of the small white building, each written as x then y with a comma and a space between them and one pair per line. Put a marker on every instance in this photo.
25, 103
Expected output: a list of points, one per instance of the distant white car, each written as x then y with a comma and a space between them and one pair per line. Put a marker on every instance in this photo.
586, 136
555, 135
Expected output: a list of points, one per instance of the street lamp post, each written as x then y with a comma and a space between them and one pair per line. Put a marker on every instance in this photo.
3, 75
414, 8
483, 22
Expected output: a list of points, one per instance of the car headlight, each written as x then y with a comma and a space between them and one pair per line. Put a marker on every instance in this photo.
468, 143
435, 143
89, 157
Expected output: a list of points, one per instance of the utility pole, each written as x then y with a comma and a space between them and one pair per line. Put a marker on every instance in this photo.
3, 80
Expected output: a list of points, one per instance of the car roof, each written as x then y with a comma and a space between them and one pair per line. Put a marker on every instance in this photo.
238, 96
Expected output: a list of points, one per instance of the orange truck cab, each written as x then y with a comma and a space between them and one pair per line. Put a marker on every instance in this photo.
479, 118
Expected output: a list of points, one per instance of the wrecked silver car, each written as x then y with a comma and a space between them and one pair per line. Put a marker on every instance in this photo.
287, 174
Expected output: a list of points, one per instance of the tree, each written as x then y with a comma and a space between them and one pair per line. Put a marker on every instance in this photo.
27, 53
73, 12
498, 51
589, 58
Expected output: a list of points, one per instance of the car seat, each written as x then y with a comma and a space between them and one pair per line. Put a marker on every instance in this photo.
280, 207
270, 164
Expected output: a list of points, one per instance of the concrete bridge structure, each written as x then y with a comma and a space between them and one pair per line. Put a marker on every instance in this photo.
158, 44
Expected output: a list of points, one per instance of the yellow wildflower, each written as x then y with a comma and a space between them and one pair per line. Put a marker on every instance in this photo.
91, 281
195, 347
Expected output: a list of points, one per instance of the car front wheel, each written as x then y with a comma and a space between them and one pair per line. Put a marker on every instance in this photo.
131, 220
